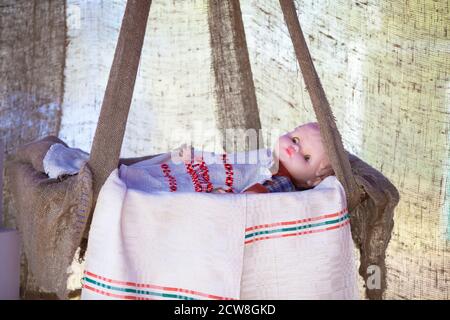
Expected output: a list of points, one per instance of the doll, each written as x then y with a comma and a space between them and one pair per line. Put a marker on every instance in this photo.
300, 162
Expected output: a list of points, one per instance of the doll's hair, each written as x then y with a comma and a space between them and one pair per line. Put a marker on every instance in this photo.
326, 169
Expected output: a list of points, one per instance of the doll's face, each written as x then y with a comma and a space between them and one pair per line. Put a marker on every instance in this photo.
303, 155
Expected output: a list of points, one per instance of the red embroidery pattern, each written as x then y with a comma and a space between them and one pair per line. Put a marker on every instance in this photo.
205, 174
172, 181
229, 174
194, 177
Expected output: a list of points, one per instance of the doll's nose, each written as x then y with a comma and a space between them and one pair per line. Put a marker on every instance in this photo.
295, 148
292, 149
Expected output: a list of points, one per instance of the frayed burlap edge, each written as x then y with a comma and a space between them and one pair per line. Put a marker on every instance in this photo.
372, 222
51, 217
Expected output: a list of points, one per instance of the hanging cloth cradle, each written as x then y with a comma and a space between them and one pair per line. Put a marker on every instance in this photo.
371, 198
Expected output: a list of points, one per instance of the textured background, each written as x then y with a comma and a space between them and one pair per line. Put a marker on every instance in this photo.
385, 66
32, 59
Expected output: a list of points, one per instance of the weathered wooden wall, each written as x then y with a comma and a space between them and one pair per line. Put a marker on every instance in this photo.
384, 65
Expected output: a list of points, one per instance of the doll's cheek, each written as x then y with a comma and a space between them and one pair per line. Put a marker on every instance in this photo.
276, 148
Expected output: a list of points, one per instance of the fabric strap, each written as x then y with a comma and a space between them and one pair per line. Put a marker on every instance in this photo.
330, 134
105, 151
236, 105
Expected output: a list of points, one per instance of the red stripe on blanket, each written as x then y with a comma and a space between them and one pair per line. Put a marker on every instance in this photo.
298, 233
152, 286
118, 296
286, 223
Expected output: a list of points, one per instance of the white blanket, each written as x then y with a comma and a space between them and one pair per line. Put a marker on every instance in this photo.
166, 245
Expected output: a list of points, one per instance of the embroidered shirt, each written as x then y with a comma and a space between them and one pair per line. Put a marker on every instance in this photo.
279, 184
209, 172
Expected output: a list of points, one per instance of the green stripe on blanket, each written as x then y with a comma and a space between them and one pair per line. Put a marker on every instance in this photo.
299, 227
135, 291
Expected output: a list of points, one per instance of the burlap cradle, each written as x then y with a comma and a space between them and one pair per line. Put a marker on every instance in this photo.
54, 215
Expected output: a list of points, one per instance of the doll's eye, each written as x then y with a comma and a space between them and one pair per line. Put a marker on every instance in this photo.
295, 140
307, 157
